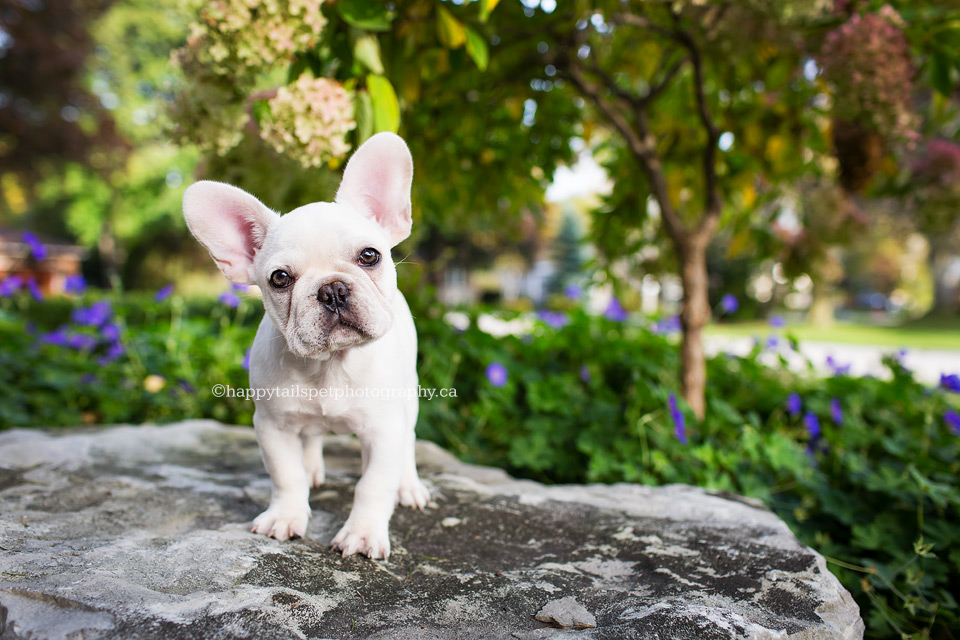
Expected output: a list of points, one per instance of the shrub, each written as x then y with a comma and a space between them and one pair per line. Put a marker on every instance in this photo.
862, 469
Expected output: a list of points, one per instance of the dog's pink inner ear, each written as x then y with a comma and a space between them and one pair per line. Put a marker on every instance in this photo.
377, 182
230, 223
243, 238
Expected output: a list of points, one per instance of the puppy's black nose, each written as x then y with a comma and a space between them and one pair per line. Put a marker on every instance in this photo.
333, 295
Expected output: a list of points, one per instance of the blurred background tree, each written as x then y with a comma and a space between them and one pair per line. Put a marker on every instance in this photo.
717, 122
705, 112
766, 129
770, 156
48, 114
84, 130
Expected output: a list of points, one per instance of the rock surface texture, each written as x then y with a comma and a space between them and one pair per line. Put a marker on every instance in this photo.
141, 532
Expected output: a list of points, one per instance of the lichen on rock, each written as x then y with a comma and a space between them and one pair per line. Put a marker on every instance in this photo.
140, 532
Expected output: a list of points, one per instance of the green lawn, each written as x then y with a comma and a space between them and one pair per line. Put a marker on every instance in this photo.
939, 333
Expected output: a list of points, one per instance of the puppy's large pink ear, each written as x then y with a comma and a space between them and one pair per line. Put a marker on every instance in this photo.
377, 183
230, 223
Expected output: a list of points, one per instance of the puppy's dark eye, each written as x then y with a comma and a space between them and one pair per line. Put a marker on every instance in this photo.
281, 279
368, 257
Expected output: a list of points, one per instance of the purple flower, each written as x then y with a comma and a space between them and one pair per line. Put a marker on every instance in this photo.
497, 374
573, 291
186, 386
37, 248
230, 299
34, 289
58, 338
794, 404
239, 288
836, 412
679, 421
812, 423
667, 325
554, 319
110, 332
114, 351
615, 311
10, 285
777, 322
93, 316
246, 360
729, 303
950, 382
81, 342
75, 284
837, 368
952, 418
585, 373
163, 293
773, 341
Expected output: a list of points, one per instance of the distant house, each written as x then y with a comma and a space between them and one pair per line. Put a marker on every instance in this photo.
59, 260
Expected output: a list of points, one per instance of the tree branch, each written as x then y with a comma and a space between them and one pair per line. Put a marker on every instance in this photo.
712, 206
641, 145
643, 22
657, 89
615, 117
631, 99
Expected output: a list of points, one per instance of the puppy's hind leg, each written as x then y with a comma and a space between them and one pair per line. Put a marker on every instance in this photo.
313, 460
412, 493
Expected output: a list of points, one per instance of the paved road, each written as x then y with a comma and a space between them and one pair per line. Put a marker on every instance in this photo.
927, 364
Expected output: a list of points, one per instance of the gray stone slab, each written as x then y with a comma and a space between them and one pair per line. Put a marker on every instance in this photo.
141, 532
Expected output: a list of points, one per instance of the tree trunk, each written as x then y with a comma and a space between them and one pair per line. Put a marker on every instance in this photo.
822, 306
944, 292
110, 256
694, 315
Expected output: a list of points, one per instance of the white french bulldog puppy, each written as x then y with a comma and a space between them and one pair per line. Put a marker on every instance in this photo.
334, 320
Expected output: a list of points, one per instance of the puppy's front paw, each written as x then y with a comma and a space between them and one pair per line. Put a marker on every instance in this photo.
413, 494
281, 524
368, 541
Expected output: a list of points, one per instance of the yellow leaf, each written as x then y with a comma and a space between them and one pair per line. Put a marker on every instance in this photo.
411, 84
776, 145
749, 196
486, 6
587, 132
738, 244
515, 107
450, 30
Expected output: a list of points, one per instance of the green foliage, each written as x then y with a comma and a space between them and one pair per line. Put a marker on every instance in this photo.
877, 492
174, 352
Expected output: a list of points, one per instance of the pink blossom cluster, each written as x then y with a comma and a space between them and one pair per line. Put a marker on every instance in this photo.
939, 165
867, 60
935, 188
309, 120
244, 36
